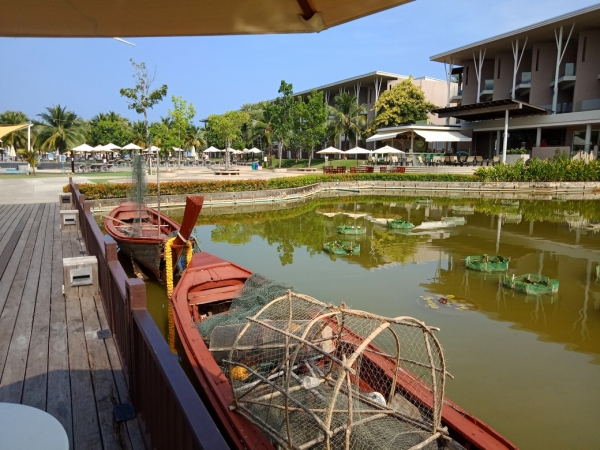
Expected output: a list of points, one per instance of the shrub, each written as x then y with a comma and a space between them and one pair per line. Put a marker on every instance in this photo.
536, 170
516, 151
119, 190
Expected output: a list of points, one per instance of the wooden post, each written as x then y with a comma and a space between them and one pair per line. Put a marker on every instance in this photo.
110, 250
136, 291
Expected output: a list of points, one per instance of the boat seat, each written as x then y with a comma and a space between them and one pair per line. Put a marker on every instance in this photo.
214, 294
131, 215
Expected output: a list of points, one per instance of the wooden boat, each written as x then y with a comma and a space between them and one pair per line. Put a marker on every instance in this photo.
531, 283
342, 247
135, 228
399, 223
351, 229
206, 289
486, 263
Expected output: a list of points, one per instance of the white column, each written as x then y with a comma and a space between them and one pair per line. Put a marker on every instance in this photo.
29, 137
412, 141
378, 82
517, 63
560, 53
357, 92
588, 137
538, 137
505, 143
449, 81
478, 68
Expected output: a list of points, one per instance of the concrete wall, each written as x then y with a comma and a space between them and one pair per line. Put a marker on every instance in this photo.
487, 72
587, 87
541, 93
503, 84
469, 93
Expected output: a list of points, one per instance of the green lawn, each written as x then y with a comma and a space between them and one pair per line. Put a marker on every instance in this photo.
91, 175
316, 163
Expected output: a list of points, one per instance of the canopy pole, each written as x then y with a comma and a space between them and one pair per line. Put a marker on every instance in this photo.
560, 53
29, 137
517, 60
505, 144
412, 141
478, 68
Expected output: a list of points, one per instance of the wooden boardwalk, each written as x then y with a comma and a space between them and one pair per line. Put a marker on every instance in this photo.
51, 357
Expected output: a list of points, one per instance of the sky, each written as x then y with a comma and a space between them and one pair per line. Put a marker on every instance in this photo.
218, 74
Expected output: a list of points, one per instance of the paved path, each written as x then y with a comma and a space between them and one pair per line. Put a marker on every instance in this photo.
51, 356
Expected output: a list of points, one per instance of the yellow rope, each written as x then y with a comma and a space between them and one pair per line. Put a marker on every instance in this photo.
169, 274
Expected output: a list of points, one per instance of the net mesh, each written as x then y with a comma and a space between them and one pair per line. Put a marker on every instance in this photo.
137, 192
313, 375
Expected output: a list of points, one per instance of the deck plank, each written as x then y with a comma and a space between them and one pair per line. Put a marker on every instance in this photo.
59, 379
13, 376
7, 252
86, 429
6, 274
13, 300
5, 230
36, 376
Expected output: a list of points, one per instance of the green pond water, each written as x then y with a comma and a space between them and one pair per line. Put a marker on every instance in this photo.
528, 366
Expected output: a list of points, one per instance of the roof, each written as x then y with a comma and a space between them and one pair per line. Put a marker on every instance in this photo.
495, 109
431, 133
351, 82
539, 32
129, 18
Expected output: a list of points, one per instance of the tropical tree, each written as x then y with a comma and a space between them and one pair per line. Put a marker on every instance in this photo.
194, 137
227, 127
142, 97
59, 130
311, 122
259, 130
347, 117
106, 131
402, 105
138, 133
181, 117
110, 116
282, 117
31, 156
16, 139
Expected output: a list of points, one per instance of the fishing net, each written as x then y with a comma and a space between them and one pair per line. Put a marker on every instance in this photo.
313, 375
137, 193
256, 293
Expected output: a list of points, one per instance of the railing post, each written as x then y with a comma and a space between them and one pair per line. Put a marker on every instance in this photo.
110, 250
136, 291
136, 300
110, 254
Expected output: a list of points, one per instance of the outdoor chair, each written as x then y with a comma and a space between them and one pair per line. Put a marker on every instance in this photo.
410, 160
479, 160
352, 169
372, 160
462, 160
446, 161
453, 160
495, 160
471, 161
436, 161
370, 169
420, 160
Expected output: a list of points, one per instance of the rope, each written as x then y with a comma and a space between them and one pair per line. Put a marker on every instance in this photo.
169, 274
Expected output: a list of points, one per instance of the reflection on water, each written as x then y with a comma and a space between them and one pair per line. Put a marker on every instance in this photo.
527, 365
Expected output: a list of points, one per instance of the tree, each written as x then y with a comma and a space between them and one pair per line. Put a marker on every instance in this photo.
110, 116
138, 133
311, 123
32, 157
227, 127
141, 97
106, 131
281, 113
181, 118
402, 105
60, 129
348, 117
16, 139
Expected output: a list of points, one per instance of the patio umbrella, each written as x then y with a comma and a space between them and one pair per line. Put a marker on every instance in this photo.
132, 146
358, 151
254, 150
212, 149
110, 147
330, 151
387, 149
82, 148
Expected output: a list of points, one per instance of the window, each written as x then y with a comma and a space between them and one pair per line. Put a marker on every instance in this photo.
467, 76
537, 60
499, 66
583, 49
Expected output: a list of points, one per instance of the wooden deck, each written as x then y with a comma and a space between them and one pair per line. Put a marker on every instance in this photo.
51, 356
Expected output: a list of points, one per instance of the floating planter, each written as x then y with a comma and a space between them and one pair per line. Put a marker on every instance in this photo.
531, 283
455, 220
351, 229
485, 263
463, 209
342, 248
399, 224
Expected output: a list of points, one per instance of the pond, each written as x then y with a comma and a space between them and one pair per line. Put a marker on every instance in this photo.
527, 365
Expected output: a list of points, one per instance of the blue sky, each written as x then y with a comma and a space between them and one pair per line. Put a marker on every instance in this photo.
218, 74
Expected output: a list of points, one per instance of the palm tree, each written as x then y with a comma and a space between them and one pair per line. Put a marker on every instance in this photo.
110, 116
17, 139
60, 129
260, 129
139, 133
347, 117
194, 136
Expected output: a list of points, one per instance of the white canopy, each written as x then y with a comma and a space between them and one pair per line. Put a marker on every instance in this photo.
254, 150
82, 148
387, 149
442, 136
99, 148
358, 151
383, 136
212, 149
330, 151
111, 146
178, 149
234, 151
245, 150
132, 146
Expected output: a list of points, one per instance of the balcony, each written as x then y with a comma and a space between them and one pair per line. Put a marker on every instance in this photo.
488, 90
523, 84
566, 77
456, 98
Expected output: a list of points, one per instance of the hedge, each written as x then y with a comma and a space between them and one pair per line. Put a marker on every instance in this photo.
94, 191
537, 170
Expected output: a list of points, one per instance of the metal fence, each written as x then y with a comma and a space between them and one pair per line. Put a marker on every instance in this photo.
171, 413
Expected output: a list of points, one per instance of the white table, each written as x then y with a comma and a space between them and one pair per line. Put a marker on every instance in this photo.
25, 428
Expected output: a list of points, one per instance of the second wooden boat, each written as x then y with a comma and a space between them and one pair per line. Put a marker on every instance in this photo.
142, 233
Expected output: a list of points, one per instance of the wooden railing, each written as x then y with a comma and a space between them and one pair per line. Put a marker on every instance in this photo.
170, 411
